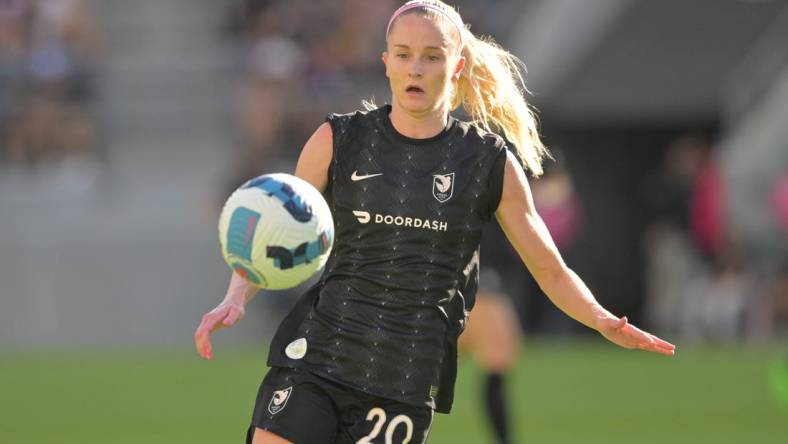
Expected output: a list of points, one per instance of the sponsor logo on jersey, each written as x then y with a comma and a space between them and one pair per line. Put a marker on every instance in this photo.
443, 186
279, 400
355, 177
296, 349
401, 221
362, 216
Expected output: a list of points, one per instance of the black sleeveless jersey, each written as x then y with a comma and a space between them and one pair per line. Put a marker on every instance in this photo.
401, 279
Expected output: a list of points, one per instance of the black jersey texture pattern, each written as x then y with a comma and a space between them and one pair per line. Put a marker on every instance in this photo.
396, 291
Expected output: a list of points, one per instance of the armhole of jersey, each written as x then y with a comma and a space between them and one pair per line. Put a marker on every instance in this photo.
335, 143
497, 178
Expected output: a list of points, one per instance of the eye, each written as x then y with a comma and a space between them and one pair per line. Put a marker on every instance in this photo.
433, 58
402, 56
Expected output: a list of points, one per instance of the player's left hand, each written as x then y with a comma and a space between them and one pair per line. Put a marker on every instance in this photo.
223, 316
621, 332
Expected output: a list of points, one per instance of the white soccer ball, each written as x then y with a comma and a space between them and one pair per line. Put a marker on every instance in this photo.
276, 231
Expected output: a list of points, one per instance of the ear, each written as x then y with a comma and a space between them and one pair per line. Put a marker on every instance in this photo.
458, 68
385, 57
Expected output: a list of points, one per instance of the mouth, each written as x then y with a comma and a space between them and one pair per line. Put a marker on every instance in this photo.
414, 90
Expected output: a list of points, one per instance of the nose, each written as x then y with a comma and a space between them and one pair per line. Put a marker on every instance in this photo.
416, 70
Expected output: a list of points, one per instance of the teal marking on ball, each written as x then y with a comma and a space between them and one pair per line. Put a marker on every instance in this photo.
247, 273
240, 232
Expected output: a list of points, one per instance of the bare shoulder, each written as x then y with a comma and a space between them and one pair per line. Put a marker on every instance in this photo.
516, 198
315, 158
321, 142
515, 183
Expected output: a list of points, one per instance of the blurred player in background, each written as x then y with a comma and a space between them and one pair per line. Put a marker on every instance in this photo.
370, 352
493, 333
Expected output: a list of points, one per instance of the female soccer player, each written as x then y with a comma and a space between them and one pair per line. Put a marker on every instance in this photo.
369, 352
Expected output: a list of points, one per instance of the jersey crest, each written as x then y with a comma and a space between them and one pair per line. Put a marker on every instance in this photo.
443, 186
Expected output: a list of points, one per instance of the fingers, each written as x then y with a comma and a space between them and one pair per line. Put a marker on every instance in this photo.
621, 332
633, 337
666, 352
657, 348
649, 342
202, 336
224, 315
663, 347
220, 310
234, 314
664, 344
202, 342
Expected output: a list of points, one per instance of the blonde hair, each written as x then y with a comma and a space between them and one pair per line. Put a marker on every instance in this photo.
491, 87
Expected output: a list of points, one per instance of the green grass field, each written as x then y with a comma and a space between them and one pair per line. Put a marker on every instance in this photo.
570, 392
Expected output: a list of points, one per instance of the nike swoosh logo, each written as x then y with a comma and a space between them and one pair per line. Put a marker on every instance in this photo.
355, 177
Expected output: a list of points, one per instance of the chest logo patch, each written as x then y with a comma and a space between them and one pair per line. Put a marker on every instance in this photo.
443, 186
279, 400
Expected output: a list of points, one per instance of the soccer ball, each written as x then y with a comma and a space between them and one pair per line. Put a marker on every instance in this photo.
276, 231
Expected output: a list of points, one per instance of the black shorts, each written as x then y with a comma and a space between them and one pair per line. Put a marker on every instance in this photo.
307, 409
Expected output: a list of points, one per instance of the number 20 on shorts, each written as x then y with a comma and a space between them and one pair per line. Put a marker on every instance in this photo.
378, 415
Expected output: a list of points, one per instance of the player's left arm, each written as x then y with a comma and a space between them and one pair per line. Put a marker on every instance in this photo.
528, 234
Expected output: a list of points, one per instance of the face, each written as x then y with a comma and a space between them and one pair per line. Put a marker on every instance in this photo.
421, 62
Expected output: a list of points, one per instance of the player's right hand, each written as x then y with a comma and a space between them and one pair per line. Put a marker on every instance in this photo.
224, 315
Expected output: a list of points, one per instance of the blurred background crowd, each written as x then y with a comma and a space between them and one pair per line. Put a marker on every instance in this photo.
659, 195
49, 52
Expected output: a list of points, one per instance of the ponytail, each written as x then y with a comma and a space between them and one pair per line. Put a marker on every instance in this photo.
491, 90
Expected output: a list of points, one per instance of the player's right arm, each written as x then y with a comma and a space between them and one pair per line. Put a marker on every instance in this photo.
312, 166
316, 157
225, 315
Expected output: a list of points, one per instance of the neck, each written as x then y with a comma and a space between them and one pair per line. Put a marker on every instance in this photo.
421, 126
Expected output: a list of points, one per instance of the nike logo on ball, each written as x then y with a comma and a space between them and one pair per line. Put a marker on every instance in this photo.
355, 177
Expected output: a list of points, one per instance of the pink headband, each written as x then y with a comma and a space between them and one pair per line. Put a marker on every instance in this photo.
432, 7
